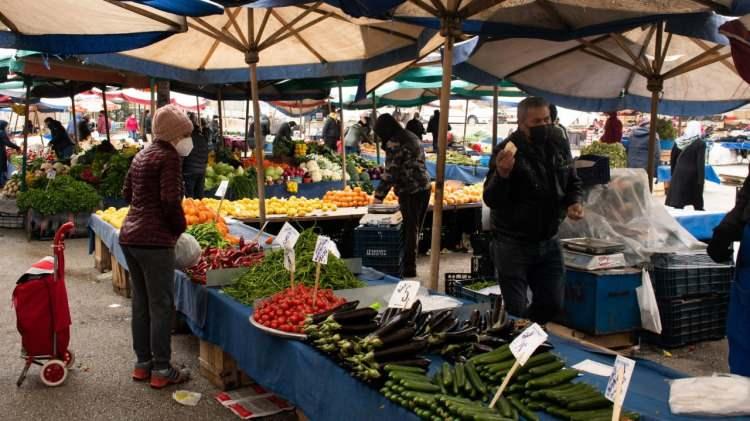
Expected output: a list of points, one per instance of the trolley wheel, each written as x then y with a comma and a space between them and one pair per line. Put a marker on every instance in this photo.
53, 373
69, 358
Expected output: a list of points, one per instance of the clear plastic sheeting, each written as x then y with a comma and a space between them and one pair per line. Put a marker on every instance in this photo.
624, 211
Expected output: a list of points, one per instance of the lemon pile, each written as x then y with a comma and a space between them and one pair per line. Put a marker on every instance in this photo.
291, 207
114, 217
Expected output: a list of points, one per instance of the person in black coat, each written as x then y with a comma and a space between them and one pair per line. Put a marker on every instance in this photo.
433, 127
331, 131
5, 142
415, 126
84, 129
194, 165
60, 142
688, 165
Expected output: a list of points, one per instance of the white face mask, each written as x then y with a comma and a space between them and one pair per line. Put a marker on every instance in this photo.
184, 146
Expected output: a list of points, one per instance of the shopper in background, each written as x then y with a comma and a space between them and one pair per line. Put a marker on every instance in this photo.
433, 127
556, 121
530, 188
356, 134
265, 130
102, 123
70, 128
637, 148
283, 145
415, 126
153, 188
331, 131
214, 128
194, 165
612, 129
688, 165
84, 128
5, 142
131, 125
404, 171
60, 141
146, 126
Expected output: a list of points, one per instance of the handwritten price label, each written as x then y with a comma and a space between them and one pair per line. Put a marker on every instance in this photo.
51, 174
527, 342
287, 237
222, 190
619, 381
404, 295
322, 247
289, 260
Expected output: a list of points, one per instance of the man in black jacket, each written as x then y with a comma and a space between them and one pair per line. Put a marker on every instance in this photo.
530, 187
194, 165
415, 126
331, 131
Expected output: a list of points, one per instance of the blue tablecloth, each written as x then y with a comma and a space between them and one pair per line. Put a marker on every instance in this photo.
469, 174
308, 190
664, 173
700, 224
735, 145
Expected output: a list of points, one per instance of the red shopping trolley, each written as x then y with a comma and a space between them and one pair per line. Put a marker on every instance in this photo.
43, 316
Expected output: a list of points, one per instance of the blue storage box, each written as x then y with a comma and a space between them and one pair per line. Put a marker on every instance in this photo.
602, 302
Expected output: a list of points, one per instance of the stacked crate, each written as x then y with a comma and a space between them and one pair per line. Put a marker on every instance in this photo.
379, 247
693, 296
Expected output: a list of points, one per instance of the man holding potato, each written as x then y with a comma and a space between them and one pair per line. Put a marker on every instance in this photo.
530, 188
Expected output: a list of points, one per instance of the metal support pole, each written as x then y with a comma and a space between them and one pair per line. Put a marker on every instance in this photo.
341, 135
73, 111
220, 140
106, 117
652, 138
466, 121
494, 116
247, 121
25, 158
259, 143
374, 118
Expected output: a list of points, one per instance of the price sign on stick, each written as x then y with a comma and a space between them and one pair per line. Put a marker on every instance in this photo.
287, 237
222, 190
322, 247
404, 295
618, 383
290, 264
51, 174
333, 249
523, 348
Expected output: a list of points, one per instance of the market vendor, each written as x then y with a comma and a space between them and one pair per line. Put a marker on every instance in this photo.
194, 165
283, 145
405, 171
153, 189
331, 131
530, 187
60, 142
356, 134
415, 126
5, 142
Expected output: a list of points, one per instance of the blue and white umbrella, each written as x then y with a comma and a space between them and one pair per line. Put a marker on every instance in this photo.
94, 26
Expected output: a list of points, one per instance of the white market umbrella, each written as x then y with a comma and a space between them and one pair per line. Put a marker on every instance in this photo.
303, 41
681, 67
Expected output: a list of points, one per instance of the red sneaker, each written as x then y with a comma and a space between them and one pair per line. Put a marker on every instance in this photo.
142, 371
168, 377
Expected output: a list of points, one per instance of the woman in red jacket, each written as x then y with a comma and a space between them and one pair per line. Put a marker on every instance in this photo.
153, 188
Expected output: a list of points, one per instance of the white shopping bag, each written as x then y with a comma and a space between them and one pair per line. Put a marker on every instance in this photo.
650, 318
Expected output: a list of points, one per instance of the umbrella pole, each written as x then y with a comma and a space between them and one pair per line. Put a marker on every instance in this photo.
153, 98
198, 109
466, 121
341, 131
655, 87
247, 123
220, 140
259, 143
106, 117
437, 207
494, 117
374, 117
25, 158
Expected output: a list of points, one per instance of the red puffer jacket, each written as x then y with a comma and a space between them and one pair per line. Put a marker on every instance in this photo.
153, 188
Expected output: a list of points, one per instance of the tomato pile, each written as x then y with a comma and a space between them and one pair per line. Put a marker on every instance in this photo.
287, 310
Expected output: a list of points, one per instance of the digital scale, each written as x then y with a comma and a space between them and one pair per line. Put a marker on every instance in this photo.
593, 253
381, 215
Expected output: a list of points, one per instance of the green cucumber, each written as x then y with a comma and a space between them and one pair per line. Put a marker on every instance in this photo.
552, 379
410, 369
420, 386
460, 380
537, 360
473, 377
525, 412
483, 359
447, 375
596, 402
503, 406
547, 368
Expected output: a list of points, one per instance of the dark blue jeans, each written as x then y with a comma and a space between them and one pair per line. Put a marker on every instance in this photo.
194, 185
538, 266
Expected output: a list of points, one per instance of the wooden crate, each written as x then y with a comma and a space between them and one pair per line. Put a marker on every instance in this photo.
220, 368
120, 278
102, 257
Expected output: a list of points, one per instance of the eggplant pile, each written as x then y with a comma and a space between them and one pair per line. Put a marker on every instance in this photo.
364, 341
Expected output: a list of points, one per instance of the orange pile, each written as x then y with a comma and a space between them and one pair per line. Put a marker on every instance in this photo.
196, 212
347, 198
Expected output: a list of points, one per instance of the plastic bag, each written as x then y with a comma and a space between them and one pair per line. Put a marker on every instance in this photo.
187, 251
650, 318
719, 395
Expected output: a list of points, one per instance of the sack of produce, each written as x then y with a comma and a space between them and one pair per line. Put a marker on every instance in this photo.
187, 251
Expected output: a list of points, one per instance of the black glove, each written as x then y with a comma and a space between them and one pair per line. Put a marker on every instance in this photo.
718, 249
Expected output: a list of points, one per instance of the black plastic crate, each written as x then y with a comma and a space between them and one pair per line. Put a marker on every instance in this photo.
482, 266
691, 319
377, 242
455, 286
678, 275
595, 174
8, 220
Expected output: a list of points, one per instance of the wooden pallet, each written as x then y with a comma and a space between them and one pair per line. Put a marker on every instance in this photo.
605, 343
102, 257
120, 278
220, 368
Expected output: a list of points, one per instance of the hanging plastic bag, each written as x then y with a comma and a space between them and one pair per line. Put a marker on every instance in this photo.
650, 318
719, 395
187, 251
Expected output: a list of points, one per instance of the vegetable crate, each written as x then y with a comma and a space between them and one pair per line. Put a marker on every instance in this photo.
41, 227
220, 368
691, 319
602, 302
120, 278
677, 275
379, 247
9, 220
455, 286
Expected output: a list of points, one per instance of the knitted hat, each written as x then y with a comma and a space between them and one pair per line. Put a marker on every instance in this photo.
170, 123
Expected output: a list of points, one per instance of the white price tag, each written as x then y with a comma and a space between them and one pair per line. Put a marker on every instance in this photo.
289, 260
51, 174
322, 247
404, 295
527, 342
333, 249
287, 237
620, 379
222, 190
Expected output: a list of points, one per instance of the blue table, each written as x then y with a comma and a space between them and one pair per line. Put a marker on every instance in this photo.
735, 145
664, 174
469, 174
700, 224
308, 190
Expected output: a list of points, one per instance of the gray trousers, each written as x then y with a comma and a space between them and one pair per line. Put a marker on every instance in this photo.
152, 283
